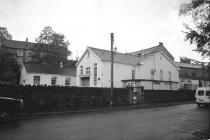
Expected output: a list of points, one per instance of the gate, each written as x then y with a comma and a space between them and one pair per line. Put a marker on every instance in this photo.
136, 95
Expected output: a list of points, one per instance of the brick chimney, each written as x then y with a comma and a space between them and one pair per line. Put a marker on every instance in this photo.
26, 44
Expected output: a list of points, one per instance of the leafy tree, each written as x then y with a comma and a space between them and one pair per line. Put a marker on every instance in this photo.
199, 32
50, 47
9, 68
4, 33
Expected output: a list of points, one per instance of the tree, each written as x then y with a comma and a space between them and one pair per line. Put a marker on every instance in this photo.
9, 68
50, 48
199, 32
4, 34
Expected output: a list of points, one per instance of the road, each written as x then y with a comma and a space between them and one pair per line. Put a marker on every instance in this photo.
159, 123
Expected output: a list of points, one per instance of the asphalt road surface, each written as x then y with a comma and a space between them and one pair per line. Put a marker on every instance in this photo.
179, 122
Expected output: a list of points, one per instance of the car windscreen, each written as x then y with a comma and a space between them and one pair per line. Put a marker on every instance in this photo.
201, 93
208, 93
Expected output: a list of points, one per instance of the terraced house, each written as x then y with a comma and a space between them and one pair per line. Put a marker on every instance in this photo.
153, 68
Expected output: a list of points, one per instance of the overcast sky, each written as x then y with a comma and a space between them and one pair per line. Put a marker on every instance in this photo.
137, 24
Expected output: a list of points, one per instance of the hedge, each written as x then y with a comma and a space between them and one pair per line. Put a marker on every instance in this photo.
161, 96
53, 98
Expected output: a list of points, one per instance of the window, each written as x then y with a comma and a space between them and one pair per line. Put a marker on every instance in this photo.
95, 74
152, 74
169, 76
67, 81
81, 70
130, 84
133, 74
207, 93
161, 74
19, 52
201, 93
36, 80
53, 81
87, 70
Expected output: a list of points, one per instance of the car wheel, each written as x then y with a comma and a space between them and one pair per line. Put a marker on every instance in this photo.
6, 116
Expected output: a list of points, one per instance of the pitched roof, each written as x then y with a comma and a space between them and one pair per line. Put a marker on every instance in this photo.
188, 65
122, 58
50, 69
153, 50
16, 44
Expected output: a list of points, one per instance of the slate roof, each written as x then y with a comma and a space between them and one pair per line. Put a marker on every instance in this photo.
188, 65
50, 69
122, 58
16, 44
153, 50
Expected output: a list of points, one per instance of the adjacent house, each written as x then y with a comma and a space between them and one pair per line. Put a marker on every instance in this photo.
50, 75
20, 49
192, 75
152, 68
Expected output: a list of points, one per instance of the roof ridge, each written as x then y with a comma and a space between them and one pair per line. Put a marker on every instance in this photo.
145, 49
110, 51
19, 41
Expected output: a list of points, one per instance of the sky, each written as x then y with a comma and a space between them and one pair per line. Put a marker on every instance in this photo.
136, 24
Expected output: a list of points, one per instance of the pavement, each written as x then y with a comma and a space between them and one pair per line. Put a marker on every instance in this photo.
179, 122
151, 105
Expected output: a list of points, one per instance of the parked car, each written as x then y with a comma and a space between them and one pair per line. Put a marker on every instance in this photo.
202, 96
9, 107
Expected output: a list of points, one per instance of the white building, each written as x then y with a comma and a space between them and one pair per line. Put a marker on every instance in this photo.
152, 68
43, 74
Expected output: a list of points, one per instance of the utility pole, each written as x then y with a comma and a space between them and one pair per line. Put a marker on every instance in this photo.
112, 55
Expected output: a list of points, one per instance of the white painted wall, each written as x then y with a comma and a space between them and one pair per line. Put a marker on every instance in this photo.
121, 72
158, 62
45, 79
89, 62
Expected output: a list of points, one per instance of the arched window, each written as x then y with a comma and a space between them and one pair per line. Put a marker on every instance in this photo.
169, 75
161, 75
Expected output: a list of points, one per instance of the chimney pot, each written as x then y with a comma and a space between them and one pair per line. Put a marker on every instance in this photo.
160, 43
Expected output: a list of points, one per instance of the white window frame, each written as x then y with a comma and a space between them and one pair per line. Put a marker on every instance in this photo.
161, 75
37, 79
87, 70
81, 70
53, 80
95, 70
67, 81
133, 74
169, 75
